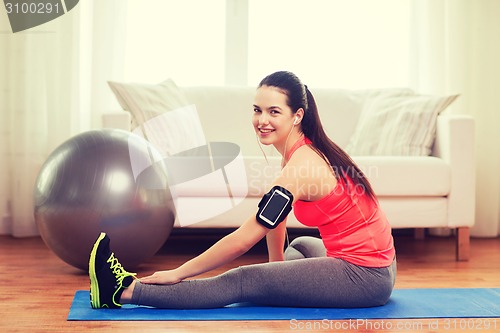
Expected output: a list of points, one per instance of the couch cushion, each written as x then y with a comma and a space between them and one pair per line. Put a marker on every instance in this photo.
406, 175
402, 212
398, 125
389, 175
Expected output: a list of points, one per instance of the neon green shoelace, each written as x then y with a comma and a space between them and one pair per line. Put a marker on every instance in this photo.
118, 270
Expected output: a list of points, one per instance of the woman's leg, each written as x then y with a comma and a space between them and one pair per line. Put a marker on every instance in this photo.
312, 282
305, 247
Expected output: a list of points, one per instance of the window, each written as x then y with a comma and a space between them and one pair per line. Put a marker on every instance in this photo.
182, 40
351, 44
333, 43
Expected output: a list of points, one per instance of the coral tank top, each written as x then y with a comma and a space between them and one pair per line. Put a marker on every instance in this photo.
351, 224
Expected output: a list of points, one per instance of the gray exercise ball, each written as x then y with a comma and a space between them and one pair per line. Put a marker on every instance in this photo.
109, 181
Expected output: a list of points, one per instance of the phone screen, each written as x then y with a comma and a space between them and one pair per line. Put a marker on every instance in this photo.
274, 207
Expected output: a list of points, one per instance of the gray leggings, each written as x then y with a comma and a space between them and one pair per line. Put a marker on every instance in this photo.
307, 278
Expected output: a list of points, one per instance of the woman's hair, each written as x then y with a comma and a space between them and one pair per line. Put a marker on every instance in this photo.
299, 96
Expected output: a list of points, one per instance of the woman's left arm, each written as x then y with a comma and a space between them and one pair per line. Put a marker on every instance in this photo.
225, 250
275, 240
236, 243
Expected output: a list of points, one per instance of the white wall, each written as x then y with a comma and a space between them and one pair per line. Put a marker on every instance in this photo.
483, 93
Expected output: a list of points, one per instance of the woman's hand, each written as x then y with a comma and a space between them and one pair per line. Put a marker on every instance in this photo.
162, 277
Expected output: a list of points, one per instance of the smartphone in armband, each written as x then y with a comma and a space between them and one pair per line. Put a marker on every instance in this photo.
275, 209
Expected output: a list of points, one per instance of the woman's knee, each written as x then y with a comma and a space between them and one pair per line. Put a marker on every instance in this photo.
305, 247
291, 253
296, 249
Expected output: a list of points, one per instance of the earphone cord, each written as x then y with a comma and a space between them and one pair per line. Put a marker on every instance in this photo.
282, 160
286, 143
262, 150
287, 239
264, 153
282, 165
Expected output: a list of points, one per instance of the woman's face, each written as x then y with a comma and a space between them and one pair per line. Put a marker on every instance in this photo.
272, 117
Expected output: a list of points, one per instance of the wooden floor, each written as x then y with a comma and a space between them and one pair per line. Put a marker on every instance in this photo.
37, 288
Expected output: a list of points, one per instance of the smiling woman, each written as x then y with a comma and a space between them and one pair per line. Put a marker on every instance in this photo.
272, 119
360, 271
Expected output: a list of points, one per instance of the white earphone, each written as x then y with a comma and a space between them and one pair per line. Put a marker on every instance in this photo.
296, 121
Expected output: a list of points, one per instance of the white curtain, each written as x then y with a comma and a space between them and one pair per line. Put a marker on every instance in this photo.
52, 86
456, 49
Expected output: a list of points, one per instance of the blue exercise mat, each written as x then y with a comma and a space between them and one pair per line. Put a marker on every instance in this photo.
404, 303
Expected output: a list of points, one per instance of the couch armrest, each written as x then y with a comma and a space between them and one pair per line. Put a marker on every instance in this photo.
116, 119
455, 143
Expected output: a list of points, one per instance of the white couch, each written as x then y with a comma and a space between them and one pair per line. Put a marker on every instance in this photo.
415, 191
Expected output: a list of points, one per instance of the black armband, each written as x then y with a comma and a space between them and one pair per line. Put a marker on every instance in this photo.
274, 207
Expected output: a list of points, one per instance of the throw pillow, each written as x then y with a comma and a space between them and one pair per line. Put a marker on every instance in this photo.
398, 125
161, 114
146, 101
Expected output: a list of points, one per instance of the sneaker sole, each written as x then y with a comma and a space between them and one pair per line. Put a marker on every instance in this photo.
94, 284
